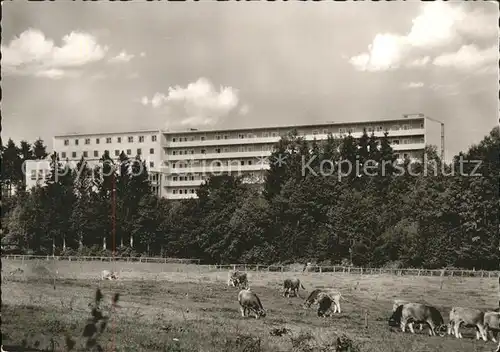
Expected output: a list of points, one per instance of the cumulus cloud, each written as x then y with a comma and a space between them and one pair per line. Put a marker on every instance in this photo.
469, 57
121, 57
419, 62
438, 25
384, 53
197, 104
31, 53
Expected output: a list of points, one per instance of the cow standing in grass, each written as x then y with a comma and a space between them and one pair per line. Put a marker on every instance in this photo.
249, 301
411, 313
292, 286
492, 324
108, 275
324, 298
467, 317
237, 279
399, 302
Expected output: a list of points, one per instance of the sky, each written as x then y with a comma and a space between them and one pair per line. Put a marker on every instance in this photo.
108, 66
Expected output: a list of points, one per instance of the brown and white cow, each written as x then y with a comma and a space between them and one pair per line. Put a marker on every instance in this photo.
469, 317
237, 279
411, 313
492, 324
292, 286
249, 301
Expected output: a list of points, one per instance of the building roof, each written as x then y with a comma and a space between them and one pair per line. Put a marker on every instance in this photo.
318, 124
105, 133
405, 117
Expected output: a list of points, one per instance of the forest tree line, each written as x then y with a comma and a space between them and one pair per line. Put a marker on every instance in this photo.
436, 215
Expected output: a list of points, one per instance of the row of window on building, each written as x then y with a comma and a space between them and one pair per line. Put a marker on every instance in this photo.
218, 150
407, 141
216, 163
85, 153
340, 130
37, 175
269, 147
109, 140
184, 191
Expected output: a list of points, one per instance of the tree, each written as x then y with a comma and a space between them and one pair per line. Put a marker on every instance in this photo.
80, 216
138, 186
276, 175
39, 149
123, 200
146, 224
219, 197
104, 178
12, 174
61, 197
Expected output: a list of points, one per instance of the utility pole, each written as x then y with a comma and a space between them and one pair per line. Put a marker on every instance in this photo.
113, 213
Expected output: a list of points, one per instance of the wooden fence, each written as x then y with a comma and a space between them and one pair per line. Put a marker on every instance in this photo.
102, 259
273, 268
360, 271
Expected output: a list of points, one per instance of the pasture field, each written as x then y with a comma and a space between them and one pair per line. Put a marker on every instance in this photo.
182, 307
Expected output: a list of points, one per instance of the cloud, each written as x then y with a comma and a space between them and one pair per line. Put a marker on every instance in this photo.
384, 53
468, 57
121, 57
197, 104
413, 85
435, 26
33, 54
438, 25
419, 62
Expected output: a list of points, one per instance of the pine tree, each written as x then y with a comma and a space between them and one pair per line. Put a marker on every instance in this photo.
139, 186
61, 198
12, 175
275, 176
39, 149
80, 215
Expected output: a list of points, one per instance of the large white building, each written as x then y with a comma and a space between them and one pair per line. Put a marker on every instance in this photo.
180, 161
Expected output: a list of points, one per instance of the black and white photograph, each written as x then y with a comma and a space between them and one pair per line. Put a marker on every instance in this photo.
250, 176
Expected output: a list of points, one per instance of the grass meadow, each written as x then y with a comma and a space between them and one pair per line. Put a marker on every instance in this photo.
182, 307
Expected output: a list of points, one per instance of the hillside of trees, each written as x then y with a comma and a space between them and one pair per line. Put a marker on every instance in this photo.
440, 215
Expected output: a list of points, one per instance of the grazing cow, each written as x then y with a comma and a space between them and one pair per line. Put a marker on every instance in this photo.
249, 301
468, 317
324, 304
492, 324
410, 313
108, 275
292, 285
237, 279
399, 302
315, 297
311, 298
16, 271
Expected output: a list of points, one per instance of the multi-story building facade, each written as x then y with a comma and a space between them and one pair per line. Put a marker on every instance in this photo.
180, 161
92, 147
